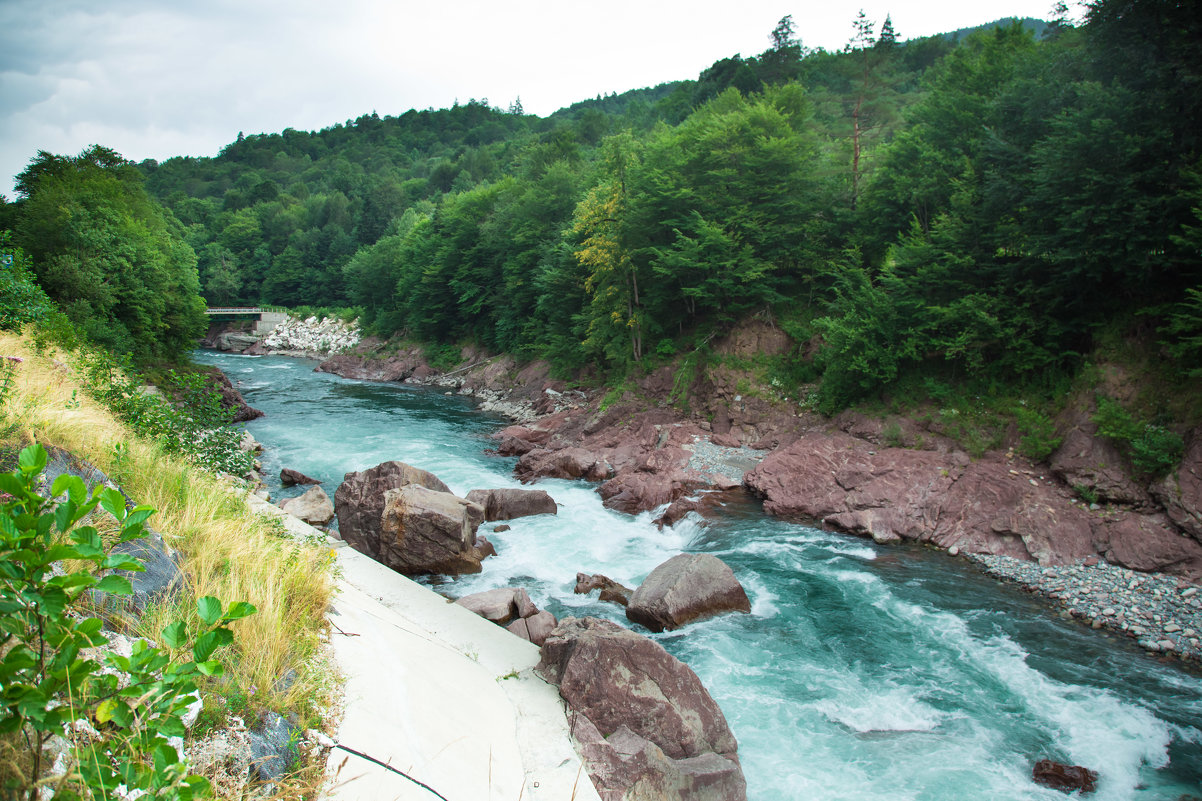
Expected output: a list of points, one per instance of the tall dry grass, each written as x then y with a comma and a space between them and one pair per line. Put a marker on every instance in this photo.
229, 552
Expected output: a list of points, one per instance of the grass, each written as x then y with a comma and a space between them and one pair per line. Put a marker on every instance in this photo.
229, 552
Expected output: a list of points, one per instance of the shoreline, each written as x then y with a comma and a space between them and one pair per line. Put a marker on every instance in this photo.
1158, 611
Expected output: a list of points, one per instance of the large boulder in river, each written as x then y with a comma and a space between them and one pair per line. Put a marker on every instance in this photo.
506, 504
359, 501
424, 531
314, 507
1065, 778
687, 587
647, 726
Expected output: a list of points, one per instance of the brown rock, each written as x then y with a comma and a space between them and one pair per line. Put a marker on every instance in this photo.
231, 398
1181, 492
290, 477
611, 590
359, 501
685, 588
364, 363
535, 628
640, 490
617, 678
506, 504
1087, 460
314, 507
501, 605
891, 493
1148, 543
423, 531
1065, 778
627, 766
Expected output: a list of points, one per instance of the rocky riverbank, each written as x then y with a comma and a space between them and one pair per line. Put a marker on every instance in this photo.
310, 338
892, 481
1162, 613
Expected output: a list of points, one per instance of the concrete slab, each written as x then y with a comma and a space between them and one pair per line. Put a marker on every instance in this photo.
439, 694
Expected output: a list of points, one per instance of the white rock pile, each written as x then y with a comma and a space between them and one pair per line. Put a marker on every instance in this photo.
312, 337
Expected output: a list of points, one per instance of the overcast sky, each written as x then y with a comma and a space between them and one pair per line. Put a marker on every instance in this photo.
162, 78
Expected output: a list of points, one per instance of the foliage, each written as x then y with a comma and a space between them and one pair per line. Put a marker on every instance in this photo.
51, 687
1153, 449
196, 426
1037, 440
108, 255
21, 299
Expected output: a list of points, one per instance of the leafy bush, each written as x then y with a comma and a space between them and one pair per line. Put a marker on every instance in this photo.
196, 426
50, 688
21, 299
1152, 449
1038, 434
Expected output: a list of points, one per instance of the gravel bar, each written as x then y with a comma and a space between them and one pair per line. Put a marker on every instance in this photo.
1158, 611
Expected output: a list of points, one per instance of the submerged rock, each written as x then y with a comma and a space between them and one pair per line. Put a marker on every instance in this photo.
290, 477
687, 587
611, 590
1065, 778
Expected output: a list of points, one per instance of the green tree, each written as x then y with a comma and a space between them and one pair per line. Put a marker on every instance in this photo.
108, 255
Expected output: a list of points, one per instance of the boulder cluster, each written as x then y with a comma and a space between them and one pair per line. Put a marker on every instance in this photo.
310, 337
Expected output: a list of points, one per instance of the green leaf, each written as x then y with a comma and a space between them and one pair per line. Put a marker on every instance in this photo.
115, 585
164, 757
139, 515
210, 641
113, 502
76, 490
176, 634
32, 459
12, 485
209, 609
210, 668
239, 610
104, 712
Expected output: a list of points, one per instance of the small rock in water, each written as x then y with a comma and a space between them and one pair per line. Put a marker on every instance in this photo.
954, 550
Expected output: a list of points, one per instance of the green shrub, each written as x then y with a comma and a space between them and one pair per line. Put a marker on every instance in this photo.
197, 426
1153, 450
49, 688
1038, 438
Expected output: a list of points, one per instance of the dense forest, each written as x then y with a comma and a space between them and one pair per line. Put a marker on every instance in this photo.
978, 206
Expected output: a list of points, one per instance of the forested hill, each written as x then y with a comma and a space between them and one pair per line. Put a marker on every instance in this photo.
984, 209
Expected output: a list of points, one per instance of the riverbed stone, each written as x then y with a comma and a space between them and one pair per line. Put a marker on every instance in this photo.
1065, 778
425, 532
686, 588
359, 501
611, 591
507, 504
627, 685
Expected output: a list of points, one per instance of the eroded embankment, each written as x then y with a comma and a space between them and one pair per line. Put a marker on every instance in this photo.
846, 473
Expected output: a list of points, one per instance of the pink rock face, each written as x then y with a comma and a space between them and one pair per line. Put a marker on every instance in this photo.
685, 588
1181, 492
506, 504
617, 679
985, 506
1086, 460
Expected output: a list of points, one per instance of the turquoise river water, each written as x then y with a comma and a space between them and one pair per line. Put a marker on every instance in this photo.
863, 671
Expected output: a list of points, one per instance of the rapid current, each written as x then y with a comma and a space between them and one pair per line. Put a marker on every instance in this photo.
862, 672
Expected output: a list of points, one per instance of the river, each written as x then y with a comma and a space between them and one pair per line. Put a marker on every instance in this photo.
862, 672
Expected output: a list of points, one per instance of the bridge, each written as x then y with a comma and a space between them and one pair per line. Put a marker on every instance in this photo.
266, 317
